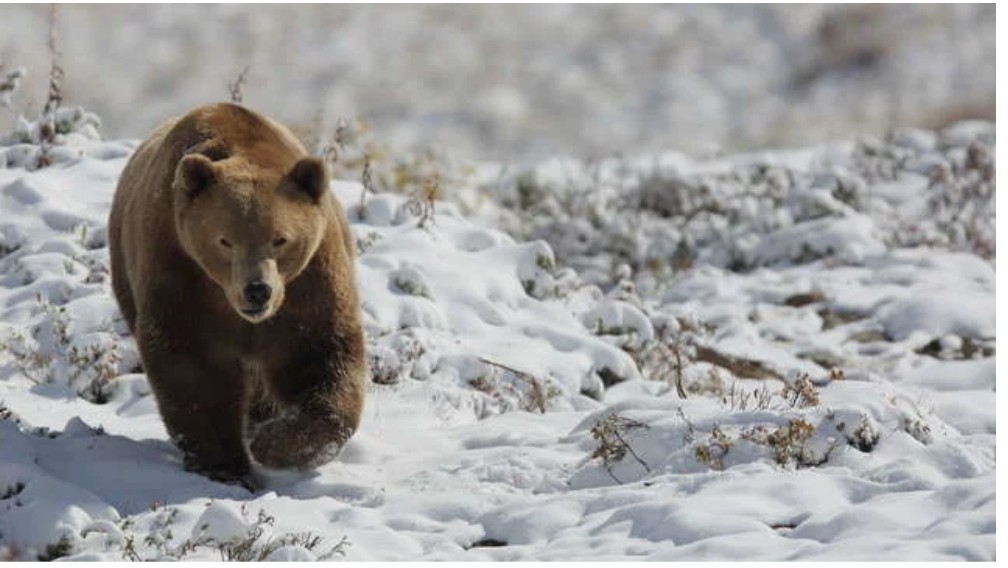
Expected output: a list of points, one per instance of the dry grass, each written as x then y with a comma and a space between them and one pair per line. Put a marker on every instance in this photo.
47, 121
534, 394
254, 546
613, 447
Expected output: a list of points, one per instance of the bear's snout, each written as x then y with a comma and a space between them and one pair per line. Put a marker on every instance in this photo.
256, 288
257, 293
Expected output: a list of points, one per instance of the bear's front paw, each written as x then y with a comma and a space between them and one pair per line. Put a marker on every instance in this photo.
272, 445
293, 443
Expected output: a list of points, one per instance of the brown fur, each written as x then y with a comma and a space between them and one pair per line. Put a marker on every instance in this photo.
201, 210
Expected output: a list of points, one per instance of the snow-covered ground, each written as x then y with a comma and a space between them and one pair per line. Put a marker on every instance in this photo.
827, 314
521, 82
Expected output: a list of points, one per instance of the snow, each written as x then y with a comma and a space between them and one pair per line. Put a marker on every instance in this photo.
839, 371
519, 83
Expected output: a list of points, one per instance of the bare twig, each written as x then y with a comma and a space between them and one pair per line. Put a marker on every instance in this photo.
613, 447
690, 428
47, 122
538, 395
630, 449
368, 187
235, 87
426, 201
56, 73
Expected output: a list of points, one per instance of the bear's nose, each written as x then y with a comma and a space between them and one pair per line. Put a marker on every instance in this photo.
258, 293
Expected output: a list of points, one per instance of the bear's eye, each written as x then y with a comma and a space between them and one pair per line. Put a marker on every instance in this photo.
225, 243
279, 242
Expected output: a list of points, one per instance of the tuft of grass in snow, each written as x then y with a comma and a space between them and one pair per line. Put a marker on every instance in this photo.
353, 152
255, 545
46, 140
865, 436
668, 357
713, 450
788, 442
800, 393
48, 352
9, 83
531, 393
391, 363
741, 399
807, 437
613, 447
367, 182
962, 197
421, 203
59, 549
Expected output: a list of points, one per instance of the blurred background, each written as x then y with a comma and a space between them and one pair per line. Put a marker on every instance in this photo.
517, 83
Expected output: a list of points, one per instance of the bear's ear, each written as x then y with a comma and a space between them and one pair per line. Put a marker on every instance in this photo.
311, 177
194, 174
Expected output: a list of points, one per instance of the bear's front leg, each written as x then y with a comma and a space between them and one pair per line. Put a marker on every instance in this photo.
317, 410
202, 402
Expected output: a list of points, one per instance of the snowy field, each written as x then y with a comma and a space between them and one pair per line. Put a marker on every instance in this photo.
783, 355
520, 83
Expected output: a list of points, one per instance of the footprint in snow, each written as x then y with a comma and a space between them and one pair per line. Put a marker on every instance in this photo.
62, 221
21, 191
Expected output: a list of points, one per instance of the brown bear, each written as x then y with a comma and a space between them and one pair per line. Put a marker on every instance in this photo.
232, 263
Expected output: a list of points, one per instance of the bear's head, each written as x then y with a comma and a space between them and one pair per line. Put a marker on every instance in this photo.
251, 229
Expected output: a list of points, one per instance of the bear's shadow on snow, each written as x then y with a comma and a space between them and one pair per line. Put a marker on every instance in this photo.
130, 475
136, 475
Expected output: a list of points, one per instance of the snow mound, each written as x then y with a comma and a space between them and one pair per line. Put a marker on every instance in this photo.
453, 304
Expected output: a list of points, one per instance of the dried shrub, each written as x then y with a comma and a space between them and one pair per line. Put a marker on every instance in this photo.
421, 203
801, 393
533, 394
714, 449
667, 357
741, 399
46, 353
610, 433
788, 442
254, 546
